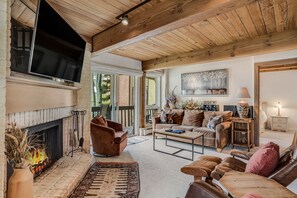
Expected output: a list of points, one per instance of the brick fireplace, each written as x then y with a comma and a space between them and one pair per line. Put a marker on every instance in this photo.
31, 102
49, 148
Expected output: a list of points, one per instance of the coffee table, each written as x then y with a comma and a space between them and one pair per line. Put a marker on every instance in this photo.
240, 183
186, 135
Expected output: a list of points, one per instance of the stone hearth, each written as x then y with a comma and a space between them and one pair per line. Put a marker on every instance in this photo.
61, 179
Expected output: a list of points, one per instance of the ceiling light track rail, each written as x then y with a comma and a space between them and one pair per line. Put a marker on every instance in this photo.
120, 17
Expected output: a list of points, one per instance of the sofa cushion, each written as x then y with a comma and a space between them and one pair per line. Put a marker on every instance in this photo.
207, 116
193, 118
214, 121
264, 161
165, 126
209, 133
182, 127
177, 116
227, 115
100, 120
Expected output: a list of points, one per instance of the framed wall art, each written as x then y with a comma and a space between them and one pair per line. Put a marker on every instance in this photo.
213, 82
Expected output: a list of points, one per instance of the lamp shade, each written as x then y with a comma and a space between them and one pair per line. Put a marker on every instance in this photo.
243, 92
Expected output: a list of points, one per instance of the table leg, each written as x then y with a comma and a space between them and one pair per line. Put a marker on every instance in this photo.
192, 150
154, 135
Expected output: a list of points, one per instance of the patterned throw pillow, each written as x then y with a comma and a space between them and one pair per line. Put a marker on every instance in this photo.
214, 121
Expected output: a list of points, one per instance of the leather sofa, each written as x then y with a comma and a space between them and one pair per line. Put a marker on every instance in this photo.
196, 121
108, 138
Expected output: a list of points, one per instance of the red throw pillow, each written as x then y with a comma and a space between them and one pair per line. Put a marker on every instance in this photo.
251, 195
264, 161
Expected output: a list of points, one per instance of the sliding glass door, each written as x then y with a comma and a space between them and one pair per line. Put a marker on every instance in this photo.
113, 97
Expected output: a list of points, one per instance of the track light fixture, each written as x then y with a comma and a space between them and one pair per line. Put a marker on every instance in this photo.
125, 20
124, 16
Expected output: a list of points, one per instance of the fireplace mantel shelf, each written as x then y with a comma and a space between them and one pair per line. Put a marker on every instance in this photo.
35, 82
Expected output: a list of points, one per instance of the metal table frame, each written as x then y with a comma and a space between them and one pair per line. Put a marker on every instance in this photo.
180, 149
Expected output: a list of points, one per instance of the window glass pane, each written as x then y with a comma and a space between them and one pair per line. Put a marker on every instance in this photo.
150, 91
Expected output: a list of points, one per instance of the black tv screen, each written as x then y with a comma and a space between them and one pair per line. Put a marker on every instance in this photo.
57, 50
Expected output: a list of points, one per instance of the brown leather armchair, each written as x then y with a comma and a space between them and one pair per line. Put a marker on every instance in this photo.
212, 167
108, 140
285, 173
200, 188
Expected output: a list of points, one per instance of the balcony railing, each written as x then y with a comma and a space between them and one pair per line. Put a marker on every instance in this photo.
125, 114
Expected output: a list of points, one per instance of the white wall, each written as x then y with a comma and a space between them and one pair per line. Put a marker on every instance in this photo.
280, 87
240, 75
114, 64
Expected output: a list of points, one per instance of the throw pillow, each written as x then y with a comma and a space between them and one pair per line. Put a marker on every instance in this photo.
207, 116
193, 118
264, 161
100, 120
177, 116
214, 121
170, 118
227, 115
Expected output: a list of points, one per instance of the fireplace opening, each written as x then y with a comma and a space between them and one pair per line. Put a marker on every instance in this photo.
49, 150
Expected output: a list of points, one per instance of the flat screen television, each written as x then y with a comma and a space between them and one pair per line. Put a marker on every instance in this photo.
57, 50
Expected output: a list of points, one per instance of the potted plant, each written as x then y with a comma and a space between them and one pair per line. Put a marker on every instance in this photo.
18, 145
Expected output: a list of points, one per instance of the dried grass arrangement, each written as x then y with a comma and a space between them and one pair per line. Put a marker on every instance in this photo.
18, 145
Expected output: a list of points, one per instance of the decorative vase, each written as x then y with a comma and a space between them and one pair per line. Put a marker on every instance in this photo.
243, 109
20, 184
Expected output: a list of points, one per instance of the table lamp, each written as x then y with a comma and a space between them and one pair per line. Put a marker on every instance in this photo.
279, 106
243, 106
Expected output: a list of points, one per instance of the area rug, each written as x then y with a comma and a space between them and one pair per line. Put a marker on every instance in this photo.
110, 180
136, 140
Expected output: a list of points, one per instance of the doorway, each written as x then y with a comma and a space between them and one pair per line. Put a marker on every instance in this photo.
271, 66
113, 97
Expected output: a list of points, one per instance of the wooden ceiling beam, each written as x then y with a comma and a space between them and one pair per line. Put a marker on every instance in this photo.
270, 43
162, 17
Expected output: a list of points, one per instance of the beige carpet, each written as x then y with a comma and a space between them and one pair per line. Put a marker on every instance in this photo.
160, 174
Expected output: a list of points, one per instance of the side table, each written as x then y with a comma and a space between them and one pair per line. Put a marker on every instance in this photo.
242, 132
279, 123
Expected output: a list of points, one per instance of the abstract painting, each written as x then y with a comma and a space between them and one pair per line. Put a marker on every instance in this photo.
214, 82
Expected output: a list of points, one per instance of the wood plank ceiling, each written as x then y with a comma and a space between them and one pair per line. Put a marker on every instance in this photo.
259, 18
90, 17
87, 17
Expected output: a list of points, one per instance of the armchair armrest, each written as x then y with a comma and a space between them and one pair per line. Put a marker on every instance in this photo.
222, 135
241, 154
120, 136
116, 126
155, 120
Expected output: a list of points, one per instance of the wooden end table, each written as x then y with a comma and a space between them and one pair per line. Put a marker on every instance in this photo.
242, 132
240, 183
186, 135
